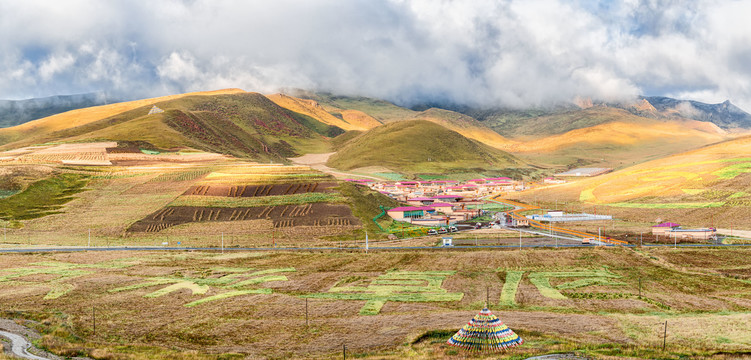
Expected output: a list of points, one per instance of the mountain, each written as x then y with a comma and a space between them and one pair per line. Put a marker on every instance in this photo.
16, 112
70, 119
725, 115
241, 124
465, 125
343, 119
419, 146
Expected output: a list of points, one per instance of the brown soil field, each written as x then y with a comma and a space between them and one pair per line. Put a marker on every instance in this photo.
272, 325
318, 214
260, 190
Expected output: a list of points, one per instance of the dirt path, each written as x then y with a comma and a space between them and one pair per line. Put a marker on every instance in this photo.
318, 162
19, 339
735, 232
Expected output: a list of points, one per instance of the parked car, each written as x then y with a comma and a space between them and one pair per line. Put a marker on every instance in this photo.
453, 229
432, 232
442, 230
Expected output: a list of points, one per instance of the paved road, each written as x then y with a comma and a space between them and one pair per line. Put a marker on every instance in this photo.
19, 346
353, 248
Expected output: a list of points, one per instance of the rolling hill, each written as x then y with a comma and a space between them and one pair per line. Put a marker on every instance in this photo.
710, 186
80, 117
247, 125
725, 114
419, 146
465, 125
343, 119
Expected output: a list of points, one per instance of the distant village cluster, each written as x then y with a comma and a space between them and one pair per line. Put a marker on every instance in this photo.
442, 202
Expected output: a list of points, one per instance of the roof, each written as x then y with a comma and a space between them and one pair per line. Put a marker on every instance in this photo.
447, 197
667, 224
421, 199
441, 205
411, 208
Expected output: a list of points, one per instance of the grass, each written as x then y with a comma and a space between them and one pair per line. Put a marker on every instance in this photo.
403, 286
510, 287
233, 279
418, 147
42, 198
365, 204
668, 205
227, 295
707, 312
275, 200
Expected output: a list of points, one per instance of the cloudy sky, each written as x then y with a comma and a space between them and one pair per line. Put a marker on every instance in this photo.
490, 53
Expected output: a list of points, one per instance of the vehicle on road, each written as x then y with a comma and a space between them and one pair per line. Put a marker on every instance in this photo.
432, 232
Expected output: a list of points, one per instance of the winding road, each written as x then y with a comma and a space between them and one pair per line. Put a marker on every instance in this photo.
20, 346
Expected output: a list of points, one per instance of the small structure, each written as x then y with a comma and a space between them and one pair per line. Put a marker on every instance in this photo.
420, 201
551, 180
485, 333
692, 234
663, 228
406, 213
155, 110
579, 172
445, 208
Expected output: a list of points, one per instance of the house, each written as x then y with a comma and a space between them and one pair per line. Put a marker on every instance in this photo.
444, 208
420, 201
448, 198
662, 229
406, 213
692, 234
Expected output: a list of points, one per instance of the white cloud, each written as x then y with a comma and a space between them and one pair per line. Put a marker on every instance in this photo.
510, 53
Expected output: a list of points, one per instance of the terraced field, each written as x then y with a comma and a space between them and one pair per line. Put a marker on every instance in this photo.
318, 214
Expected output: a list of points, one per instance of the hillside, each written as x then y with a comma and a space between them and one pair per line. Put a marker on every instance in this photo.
244, 125
465, 125
344, 119
419, 146
619, 143
16, 112
712, 183
80, 117
381, 110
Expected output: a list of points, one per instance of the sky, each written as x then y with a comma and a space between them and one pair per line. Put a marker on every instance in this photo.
499, 53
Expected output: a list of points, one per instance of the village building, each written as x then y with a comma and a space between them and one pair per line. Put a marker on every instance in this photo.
692, 234
663, 228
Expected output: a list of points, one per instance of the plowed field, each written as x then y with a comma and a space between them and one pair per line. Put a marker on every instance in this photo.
318, 214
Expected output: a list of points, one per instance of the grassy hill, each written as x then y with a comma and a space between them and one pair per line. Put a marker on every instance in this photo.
619, 143
710, 185
81, 117
465, 125
419, 146
242, 125
344, 119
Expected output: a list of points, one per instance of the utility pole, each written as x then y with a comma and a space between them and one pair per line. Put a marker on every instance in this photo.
665, 336
366, 245
641, 239
520, 240
222, 242
639, 287
487, 296
89, 237
306, 312
599, 234
93, 315
344, 352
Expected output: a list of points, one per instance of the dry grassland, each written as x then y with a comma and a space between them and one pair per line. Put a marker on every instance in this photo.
707, 310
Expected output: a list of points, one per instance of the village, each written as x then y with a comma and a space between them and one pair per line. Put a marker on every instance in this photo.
440, 205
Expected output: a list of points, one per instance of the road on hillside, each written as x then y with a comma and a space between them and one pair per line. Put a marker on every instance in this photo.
20, 346
318, 162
